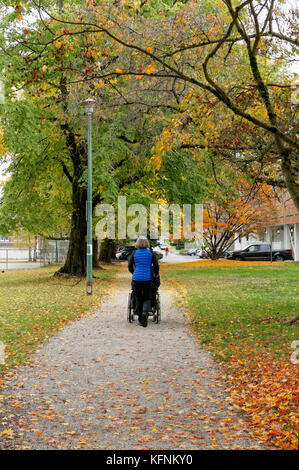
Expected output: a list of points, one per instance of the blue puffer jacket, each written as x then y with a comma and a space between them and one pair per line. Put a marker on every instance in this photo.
140, 264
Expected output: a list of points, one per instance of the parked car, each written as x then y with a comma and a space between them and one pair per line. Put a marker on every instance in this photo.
261, 252
124, 252
225, 254
192, 252
203, 254
118, 251
163, 246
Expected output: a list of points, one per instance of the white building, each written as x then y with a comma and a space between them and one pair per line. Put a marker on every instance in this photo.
284, 234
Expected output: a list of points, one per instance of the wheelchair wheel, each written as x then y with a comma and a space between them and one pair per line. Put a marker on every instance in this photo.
130, 315
158, 308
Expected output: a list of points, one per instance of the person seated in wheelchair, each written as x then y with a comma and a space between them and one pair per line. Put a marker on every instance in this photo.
144, 266
155, 287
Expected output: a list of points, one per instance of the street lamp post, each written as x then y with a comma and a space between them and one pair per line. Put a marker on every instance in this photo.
89, 107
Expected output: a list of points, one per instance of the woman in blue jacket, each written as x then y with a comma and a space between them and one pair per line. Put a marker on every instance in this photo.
141, 263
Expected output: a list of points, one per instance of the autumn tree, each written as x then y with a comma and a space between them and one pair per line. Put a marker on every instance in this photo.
43, 130
232, 56
239, 210
42, 120
214, 69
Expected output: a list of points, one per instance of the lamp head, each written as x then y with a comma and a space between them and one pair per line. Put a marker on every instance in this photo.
89, 105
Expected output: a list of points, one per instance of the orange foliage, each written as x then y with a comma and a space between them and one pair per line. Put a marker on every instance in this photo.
246, 211
268, 391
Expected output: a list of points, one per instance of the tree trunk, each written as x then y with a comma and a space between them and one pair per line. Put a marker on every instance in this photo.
106, 250
35, 248
95, 259
212, 248
290, 174
75, 263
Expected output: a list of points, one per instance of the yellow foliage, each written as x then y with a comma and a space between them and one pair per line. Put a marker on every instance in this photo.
156, 160
3, 149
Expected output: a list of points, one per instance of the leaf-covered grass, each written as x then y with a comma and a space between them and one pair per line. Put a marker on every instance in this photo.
233, 303
34, 305
241, 311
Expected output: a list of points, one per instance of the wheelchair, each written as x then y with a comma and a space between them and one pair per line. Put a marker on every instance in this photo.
155, 311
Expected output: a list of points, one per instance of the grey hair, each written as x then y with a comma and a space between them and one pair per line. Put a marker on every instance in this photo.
142, 242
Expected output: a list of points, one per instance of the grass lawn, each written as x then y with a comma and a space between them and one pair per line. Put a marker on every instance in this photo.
34, 305
235, 302
241, 312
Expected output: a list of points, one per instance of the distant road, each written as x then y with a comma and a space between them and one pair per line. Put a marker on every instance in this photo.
170, 258
177, 258
20, 265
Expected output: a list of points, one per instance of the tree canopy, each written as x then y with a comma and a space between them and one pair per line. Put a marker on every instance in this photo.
184, 91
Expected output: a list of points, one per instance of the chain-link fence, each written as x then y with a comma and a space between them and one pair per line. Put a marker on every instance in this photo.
52, 256
15, 257
52, 251
48, 252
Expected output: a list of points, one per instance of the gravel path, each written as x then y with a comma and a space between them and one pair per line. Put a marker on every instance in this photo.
103, 383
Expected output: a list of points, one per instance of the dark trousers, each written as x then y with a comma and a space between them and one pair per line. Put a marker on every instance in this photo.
143, 294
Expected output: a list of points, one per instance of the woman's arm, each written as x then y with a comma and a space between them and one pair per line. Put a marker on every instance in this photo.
131, 264
155, 265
